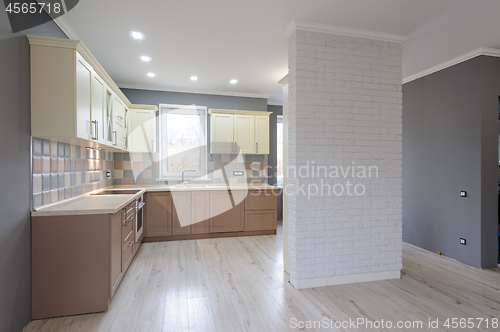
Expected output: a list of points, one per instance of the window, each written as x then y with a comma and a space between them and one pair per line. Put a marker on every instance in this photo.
279, 151
183, 142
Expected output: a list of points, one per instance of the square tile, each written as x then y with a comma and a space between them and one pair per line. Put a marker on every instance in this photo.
83, 164
78, 178
60, 150
73, 179
128, 174
53, 165
84, 177
146, 174
118, 173
84, 188
89, 153
46, 148
45, 182
78, 165
128, 182
79, 190
46, 198
60, 165
126, 156
37, 165
60, 180
210, 157
97, 176
67, 179
225, 158
118, 182
36, 146
217, 157
37, 183
90, 165
54, 196
60, 193
118, 156
73, 191
118, 165
45, 164
78, 152
146, 181
232, 157
67, 193
72, 165
37, 199
72, 151
137, 165
54, 182
67, 165
53, 148
67, 151
127, 165
155, 174
248, 158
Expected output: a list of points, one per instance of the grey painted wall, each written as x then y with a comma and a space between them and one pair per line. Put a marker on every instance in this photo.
272, 161
449, 145
15, 198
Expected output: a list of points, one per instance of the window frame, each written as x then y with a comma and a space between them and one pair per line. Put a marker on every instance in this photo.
279, 119
183, 109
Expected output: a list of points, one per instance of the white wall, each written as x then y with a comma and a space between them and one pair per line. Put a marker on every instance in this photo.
345, 110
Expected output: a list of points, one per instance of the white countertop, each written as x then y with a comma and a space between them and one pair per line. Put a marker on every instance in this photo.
109, 204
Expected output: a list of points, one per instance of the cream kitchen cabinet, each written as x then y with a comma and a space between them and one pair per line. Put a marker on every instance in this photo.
73, 99
245, 132
142, 129
261, 134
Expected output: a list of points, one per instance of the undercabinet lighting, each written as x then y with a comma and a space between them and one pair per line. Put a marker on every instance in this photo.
151, 74
194, 78
233, 81
136, 35
145, 58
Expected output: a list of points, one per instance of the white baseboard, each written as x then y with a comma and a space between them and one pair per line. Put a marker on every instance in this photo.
346, 279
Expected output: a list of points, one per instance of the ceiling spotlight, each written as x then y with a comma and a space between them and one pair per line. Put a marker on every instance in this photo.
194, 78
151, 74
136, 35
233, 81
145, 58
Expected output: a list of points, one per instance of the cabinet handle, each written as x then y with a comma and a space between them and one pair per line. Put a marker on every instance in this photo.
170, 199
261, 212
116, 139
95, 129
256, 147
130, 243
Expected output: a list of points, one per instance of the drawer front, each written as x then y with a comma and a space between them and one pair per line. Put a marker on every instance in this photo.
127, 254
261, 200
260, 220
127, 226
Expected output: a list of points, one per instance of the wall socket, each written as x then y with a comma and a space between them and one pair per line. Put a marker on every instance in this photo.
108, 174
238, 173
463, 241
463, 193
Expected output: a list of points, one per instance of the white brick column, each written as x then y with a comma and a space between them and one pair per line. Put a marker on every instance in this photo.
345, 113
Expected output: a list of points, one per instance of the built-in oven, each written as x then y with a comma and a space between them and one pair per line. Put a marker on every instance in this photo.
139, 224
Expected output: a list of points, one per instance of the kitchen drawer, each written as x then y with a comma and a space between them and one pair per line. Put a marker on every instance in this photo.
127, 252
261, 200
260, 220
127, 227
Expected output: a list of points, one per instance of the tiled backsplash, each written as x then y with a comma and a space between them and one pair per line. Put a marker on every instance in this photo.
143, 168
63, 171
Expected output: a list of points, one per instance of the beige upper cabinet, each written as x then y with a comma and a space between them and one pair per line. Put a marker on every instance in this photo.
142, 129
245, 132
261, 134
221, 134
73, 99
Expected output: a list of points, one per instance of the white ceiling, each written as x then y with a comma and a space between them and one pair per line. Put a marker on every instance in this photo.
218, 40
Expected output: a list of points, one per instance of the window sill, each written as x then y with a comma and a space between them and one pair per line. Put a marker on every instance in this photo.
188, 179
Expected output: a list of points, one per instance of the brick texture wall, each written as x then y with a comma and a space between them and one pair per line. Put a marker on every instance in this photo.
345, 108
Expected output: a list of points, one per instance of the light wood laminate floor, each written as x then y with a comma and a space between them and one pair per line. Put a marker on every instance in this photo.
238, 284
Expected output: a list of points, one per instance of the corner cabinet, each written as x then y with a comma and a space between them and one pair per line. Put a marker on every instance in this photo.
73, 100
233, 132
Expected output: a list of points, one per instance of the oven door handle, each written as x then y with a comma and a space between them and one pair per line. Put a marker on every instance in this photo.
140, 206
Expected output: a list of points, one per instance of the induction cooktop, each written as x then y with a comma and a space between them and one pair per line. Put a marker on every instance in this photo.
117, 192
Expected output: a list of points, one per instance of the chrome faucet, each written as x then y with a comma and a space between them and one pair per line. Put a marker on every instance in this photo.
187, 170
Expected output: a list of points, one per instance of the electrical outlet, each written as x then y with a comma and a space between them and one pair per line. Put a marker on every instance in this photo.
463, 241
108, 174
463, 194
238, 173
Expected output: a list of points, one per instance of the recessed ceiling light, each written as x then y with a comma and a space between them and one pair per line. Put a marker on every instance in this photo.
151, 74
145, 58
233, 81
194, 78
136, 35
